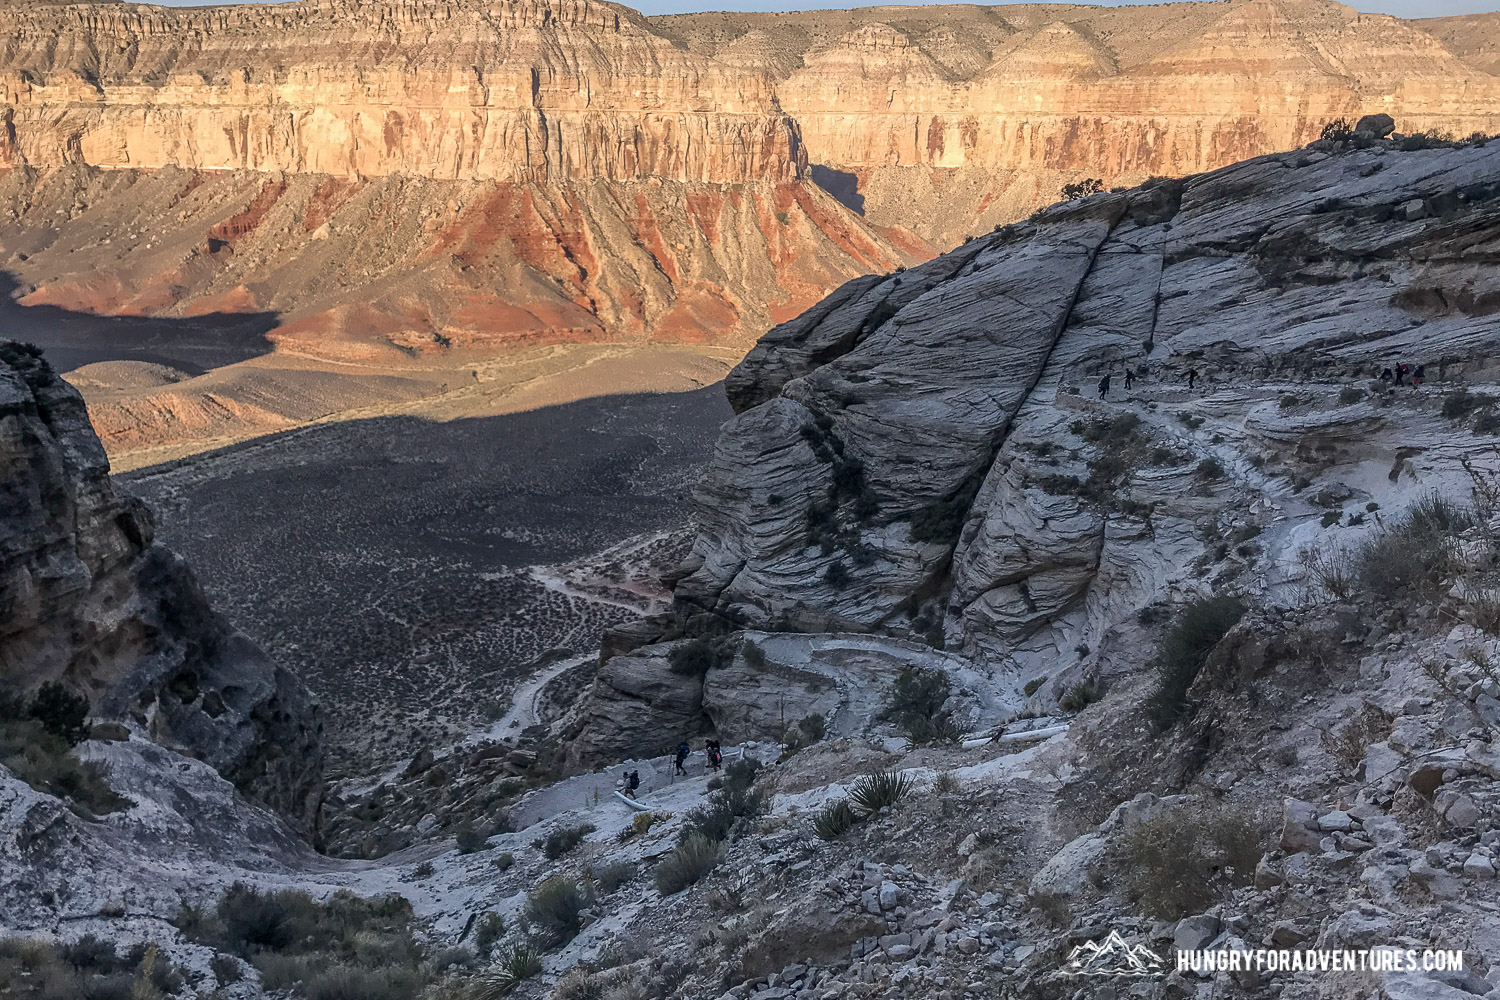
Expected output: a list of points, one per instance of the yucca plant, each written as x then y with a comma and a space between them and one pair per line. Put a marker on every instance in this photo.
520, 963
833, 819
874, 792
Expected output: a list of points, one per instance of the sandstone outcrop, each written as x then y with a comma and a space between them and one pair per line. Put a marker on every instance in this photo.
88, 599
934, 454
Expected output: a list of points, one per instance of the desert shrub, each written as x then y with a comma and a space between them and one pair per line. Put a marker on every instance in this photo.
1460, 402
1080, 696
1190, 420
346, 947
553, 915
693, 857
1033, 686
611, 876
754, 655
226, 969
946, 783
470, 840
1289, 402
833, 819
915, 703
45, 760
421, 870
1185, 860
563, 839
642, 823
1200, 627
696, 657
1210, 468
504, 861
1350, 744
874, 792
1338, 130
1332, 570
1081, 189
520, 964
360, 982
579, 984
488, 930
1350, 394
61, 712
1416, 554
730, 803
837, 575
813, 728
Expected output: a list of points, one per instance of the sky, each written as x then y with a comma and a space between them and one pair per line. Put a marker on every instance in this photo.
1401, 8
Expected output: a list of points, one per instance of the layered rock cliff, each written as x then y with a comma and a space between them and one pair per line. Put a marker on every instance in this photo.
934, 455
401, 177
88, 599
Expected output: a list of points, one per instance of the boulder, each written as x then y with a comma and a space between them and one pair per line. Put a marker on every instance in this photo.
1376, 126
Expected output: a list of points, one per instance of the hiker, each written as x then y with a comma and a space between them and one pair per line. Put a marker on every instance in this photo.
715, 754
634, 784
682, 755
1129, 378
1401, 371
1386, 376
1417, 375
1104, 387
1192, 377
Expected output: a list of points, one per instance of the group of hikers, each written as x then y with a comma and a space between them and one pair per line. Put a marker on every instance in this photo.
1131, 375
1399, 373
630, 781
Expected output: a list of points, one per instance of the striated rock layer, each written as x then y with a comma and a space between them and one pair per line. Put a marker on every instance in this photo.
415, 176
932, 455
88, 599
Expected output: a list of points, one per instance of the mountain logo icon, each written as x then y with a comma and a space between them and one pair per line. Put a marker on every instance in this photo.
1114, 956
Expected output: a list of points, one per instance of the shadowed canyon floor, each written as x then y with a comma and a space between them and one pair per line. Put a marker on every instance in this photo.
397, 563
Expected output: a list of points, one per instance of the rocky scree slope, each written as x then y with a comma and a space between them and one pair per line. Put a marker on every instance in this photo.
925, 455
87, 599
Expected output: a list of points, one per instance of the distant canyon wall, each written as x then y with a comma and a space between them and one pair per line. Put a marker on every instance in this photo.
458, 172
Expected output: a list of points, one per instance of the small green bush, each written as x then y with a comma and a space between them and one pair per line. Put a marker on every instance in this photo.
611, 876
1416, 555
1080, 696
874, 792
915, 703
1033, 686
470, 840
1198, 630
45, 761
1210, 468
813, 728
504, 861
693, 857
1185, 860
1460, 402
833, 819
696, 657
61, 712
563, 839
754, 655
553, 915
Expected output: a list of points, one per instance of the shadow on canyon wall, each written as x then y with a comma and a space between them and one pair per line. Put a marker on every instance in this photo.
193, 344
843, 185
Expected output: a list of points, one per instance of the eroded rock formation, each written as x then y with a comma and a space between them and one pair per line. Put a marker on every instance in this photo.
88, 599
934, 454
